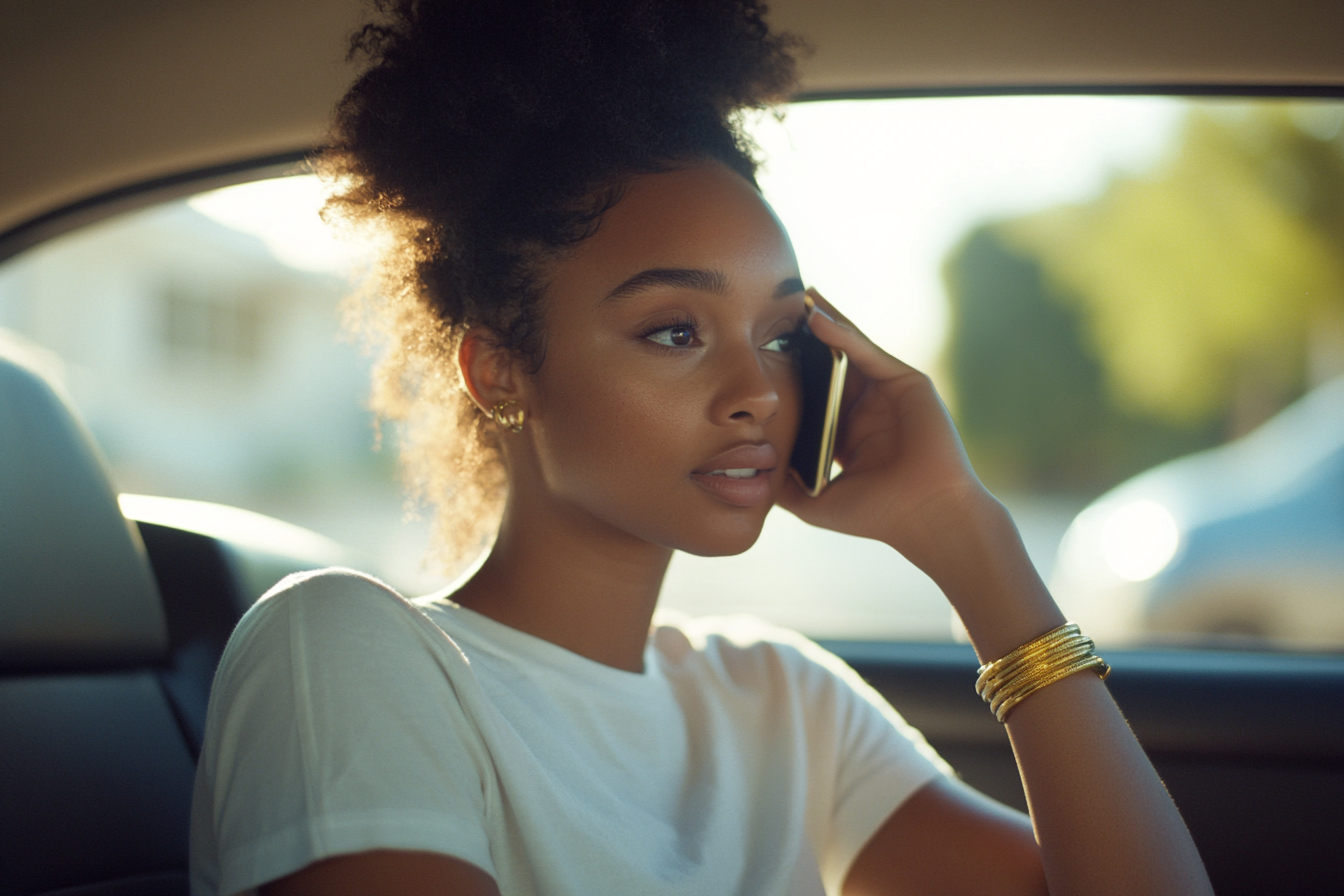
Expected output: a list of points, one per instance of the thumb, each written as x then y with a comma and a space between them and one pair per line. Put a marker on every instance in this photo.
792, 497
815, 511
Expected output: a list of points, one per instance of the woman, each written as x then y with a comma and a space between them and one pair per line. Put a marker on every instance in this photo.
585, 282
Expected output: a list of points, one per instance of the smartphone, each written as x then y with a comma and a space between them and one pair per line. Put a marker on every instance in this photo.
821, 370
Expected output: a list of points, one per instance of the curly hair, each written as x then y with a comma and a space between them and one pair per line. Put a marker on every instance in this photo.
484, 139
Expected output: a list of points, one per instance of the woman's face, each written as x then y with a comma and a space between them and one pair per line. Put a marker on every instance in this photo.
667, 403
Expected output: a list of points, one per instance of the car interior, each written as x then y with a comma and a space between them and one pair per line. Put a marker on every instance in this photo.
113, 615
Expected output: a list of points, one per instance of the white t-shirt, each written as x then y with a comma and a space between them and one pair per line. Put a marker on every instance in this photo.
743, 760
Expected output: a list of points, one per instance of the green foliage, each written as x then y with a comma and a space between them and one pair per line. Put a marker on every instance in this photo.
1091, 341
1205, 275
1030, 397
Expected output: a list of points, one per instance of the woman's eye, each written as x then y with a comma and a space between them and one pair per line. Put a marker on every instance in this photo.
679, 335
779, 343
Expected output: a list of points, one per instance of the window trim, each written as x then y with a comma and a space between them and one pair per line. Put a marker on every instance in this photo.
100, 206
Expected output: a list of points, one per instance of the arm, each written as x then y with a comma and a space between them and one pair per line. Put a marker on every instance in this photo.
1103, 821
386, 872
949, 838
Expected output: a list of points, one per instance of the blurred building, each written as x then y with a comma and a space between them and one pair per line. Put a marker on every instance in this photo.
205, 367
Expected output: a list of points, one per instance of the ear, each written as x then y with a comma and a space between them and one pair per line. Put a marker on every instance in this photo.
490, 372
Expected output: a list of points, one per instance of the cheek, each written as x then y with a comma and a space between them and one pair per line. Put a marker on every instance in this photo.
617, 437
603, 429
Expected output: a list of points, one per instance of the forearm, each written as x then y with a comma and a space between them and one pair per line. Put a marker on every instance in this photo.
1103, 819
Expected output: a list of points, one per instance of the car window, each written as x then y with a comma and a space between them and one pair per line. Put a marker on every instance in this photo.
201, 339
1134, 307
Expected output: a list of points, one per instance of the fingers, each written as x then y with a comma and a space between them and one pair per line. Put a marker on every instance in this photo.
814, 299
826, 510
837, 331
795, 499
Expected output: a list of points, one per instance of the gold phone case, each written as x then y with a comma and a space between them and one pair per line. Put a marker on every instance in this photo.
830, 423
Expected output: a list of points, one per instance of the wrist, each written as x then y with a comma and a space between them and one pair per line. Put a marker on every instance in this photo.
957, 525
976, 557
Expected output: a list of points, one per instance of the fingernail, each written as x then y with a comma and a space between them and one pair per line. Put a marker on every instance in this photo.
810, 297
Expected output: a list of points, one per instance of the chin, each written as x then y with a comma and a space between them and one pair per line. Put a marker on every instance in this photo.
722, 540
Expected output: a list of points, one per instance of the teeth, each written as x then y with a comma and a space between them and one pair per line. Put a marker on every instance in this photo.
744, 473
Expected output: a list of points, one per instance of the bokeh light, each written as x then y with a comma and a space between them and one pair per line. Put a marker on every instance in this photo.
1139, 539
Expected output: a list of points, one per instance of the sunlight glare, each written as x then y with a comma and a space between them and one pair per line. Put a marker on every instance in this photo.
1139, 540
875, 193
283, 212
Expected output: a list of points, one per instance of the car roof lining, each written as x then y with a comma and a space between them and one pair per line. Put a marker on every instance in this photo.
103, 97
132, 196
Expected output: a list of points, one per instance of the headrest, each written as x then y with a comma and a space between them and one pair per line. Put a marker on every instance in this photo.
76, 589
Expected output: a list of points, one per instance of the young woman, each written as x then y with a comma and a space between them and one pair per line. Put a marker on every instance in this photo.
588, 313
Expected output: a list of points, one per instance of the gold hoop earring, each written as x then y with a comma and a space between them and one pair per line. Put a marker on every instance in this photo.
511, 420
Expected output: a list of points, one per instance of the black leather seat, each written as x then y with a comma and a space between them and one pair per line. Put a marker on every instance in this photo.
96, 765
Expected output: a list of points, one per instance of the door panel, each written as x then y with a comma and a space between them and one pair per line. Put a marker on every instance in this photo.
1251, 747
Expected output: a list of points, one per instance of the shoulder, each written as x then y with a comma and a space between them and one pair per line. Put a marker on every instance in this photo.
328, 663
746, 654
748, 650
334, 600
342, 590
332, 651
341, 720
739, 640
332, 617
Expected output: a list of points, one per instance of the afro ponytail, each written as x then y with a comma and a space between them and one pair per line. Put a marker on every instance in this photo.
486, 137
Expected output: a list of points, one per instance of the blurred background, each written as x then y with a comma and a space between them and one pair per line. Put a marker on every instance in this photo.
1133, 306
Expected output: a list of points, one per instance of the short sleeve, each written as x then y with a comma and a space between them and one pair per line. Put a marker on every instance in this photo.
336, 725
866, 758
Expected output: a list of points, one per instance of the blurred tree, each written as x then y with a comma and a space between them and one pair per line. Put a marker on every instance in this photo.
1029, 395
1182, 306
1200, 282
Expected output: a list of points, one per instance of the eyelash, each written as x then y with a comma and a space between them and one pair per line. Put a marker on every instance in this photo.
688, 323
786, 337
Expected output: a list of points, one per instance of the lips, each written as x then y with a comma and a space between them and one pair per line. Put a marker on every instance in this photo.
739, 476
743, 457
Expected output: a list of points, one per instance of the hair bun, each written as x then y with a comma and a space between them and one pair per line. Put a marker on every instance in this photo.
526, 104
485, 134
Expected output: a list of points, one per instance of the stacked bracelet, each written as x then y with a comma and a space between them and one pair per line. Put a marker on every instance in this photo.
1045, 660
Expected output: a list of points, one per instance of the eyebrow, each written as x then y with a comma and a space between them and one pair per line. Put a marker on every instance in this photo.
689, 278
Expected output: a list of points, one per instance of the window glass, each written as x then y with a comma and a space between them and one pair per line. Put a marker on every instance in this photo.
201, 340
1134, 308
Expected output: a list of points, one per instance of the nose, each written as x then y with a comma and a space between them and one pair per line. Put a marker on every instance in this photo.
747, 389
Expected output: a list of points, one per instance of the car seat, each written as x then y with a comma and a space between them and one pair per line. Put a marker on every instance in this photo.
96, 766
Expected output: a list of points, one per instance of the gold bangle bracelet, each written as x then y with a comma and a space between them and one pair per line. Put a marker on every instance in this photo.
995, 676
1092, 662
1042, 661
1008, 686
1026, 683
1026, 652
1061, 651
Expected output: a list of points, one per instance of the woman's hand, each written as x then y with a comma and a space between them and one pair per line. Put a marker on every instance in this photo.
1101, 816
906, 480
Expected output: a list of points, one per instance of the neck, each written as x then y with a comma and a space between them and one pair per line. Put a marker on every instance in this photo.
571, 580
